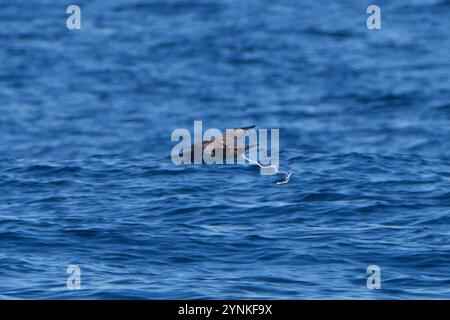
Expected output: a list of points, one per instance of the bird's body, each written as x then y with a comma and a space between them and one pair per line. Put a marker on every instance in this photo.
211, 148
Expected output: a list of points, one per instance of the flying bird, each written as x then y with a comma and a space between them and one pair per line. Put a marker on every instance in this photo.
235, 150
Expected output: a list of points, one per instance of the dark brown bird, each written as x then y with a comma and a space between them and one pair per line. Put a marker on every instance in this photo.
234, 150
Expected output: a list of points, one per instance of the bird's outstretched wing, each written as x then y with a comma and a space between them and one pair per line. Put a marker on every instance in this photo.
236, 132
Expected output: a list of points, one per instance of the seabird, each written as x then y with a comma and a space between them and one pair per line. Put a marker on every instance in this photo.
211, 146
238, 150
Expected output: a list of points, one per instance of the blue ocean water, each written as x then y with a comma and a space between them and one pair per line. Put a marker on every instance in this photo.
86, 177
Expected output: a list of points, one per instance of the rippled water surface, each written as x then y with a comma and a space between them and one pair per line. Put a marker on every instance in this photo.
86, 176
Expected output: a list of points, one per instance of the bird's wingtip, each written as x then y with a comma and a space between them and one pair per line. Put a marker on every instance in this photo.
248, 128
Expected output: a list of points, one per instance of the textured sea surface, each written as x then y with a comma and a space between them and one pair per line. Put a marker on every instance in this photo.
86, 176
